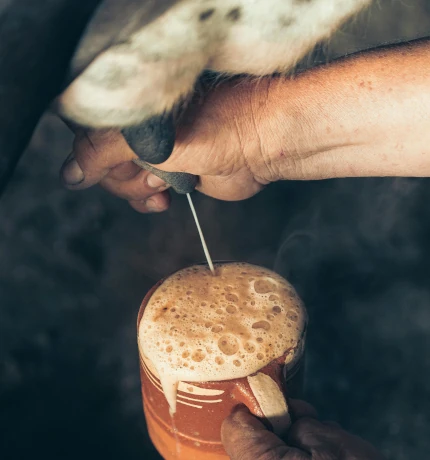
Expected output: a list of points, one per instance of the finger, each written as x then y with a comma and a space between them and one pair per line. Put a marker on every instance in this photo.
305, 432
245, 437
94, 154
124, 171
312, 435
139, 188
156, 203
300, 408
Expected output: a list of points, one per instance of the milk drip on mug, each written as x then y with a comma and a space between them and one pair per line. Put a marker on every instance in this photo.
208, 343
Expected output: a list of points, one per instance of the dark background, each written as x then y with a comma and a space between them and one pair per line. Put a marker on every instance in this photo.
74, 267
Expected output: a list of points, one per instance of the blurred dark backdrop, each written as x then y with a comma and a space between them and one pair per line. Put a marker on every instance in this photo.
74, 267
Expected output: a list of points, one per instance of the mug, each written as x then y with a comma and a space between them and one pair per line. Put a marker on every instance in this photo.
194, 431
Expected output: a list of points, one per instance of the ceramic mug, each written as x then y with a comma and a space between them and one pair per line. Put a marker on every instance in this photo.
194, 431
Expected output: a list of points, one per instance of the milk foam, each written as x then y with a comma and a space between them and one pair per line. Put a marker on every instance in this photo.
198, 327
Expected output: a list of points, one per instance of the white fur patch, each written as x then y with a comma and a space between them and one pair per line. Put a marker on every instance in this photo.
160, 64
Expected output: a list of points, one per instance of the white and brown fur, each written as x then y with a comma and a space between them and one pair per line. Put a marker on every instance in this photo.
157, 64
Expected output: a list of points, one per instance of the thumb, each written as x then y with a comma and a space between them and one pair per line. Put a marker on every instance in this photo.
245, 437
95, 154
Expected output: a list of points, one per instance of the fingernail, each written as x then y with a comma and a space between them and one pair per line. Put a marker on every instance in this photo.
152, 205
240, 408
72, 173
155, 182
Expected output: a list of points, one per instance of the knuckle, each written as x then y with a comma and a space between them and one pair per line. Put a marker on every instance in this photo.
83, 147
93, 146
302, 408
304, 429
305, 424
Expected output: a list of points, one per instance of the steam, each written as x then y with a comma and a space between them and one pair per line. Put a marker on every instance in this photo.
354, 222
358, 252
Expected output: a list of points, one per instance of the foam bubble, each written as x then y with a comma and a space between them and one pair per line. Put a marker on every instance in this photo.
231, 297
198, 355
261, 325
228, 344
211, 328
249, 347
292, 315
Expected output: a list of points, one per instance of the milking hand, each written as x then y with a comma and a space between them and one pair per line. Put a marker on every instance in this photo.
153, 142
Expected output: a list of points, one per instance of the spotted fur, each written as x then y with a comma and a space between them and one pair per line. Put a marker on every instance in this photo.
158, 64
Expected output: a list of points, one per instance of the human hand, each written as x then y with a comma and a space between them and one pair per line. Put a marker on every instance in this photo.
219, 140
353, 118
245, 437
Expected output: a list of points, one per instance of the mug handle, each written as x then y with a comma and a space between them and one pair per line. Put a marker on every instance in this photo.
265, 396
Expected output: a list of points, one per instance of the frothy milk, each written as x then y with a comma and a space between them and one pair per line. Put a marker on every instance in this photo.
198, 327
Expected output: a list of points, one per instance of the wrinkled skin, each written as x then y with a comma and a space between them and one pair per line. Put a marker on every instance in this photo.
230, 163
